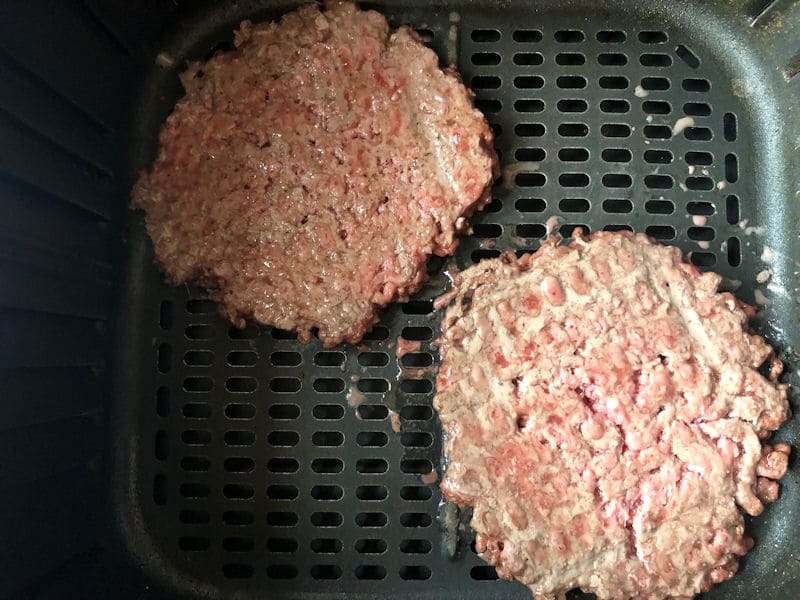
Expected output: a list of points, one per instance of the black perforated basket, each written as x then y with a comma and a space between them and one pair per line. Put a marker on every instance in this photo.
151, 450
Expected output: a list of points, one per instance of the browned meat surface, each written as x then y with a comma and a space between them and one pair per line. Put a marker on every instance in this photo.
604, 414
308, 175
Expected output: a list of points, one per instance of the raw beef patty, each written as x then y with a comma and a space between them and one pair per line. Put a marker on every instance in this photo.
604, 412
307, 176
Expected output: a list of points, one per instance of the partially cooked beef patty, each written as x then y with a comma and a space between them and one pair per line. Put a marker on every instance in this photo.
307, 176
604, 414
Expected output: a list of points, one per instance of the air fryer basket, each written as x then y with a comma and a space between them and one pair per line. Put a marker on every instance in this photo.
249, 465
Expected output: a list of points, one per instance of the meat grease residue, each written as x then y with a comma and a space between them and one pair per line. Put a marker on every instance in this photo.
405, 346
451, 272
355, 397
509, 172
763, 276
682, 124
750, 230
394, 421
429, 478
552, 224
449, 523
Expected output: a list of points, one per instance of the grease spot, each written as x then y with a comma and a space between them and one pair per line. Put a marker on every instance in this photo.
394, 420
165, 60
682, 124
355, 397
510, 172
750, 230
552, 224
405, 346
760, 298
429, 478
741, 88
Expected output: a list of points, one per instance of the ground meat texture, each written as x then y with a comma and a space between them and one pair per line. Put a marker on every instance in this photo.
604, 411
307, 176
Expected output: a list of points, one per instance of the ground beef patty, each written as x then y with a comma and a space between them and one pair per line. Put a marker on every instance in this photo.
308, 175
604, 414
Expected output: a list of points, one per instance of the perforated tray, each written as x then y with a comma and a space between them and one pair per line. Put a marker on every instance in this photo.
245, 468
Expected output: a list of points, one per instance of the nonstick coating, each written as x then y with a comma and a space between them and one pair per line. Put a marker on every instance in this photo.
250, 465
